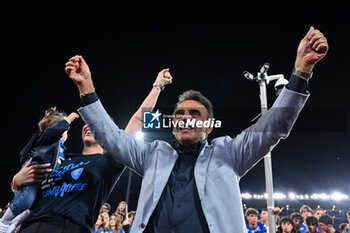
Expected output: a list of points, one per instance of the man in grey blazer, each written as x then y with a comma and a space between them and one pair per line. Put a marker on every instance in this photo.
191, 185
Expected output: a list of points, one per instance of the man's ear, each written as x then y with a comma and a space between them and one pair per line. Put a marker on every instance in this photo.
208, 130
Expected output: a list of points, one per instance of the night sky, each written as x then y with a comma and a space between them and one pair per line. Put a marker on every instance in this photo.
206, 47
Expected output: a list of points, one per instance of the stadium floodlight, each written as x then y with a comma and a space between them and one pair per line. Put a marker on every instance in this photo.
279, 196
292, 196
246, 196
323, 196
338, 196
139, 135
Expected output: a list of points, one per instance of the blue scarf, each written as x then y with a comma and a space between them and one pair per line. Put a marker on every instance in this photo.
61, 150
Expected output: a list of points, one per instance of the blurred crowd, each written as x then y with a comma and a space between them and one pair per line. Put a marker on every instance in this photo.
305, 220
119, 221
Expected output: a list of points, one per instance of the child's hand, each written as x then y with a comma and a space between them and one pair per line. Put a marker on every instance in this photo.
72, 117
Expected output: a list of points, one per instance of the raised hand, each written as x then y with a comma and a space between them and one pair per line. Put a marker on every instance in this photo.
164, 77
312, 48
78, 70
71, 117
277, 210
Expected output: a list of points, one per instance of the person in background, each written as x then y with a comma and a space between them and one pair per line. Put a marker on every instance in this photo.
253, 226
325, 224
319, 212
305, 211
131, 216
105, 221
123, 209
297, 222
105, 208
115, 224
99, 225
286, 225
312, 224
264, 218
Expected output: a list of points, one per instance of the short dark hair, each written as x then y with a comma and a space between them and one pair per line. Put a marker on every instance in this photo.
348, 213
311, 220
196, 96
326, 219
286, 219
297, 216
107, 205
250, 211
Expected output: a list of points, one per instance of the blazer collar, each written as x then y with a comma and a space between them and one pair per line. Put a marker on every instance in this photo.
195, 149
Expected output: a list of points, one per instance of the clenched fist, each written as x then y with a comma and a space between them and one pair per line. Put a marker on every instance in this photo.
164, 77
312, 48
78, 70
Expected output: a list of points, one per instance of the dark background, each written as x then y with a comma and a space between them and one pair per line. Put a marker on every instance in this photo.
207, 46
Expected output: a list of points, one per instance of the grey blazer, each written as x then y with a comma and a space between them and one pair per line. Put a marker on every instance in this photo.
218, 168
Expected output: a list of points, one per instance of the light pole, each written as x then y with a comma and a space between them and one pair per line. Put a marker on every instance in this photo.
139, 136
128, 189
263, 79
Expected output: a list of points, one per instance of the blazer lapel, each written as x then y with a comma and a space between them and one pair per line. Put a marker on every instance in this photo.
163, 168
200, 171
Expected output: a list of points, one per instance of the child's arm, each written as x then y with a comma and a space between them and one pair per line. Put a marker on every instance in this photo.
136, 122
72, 117
54, 132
